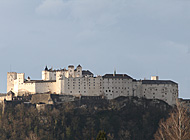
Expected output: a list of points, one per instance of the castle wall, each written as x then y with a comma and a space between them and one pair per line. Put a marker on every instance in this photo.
137, 88
11, 76
25, 88
165, 92
115, 87
48, 75
44, 87
72, 82
87, 86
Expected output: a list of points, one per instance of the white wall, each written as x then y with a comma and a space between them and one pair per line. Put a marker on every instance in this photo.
11, 76
165, 92
115, 87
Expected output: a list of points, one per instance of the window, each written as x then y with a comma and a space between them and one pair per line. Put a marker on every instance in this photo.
70, 91
106, 91
109, 90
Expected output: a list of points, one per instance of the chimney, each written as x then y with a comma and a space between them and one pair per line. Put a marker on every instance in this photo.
154, 78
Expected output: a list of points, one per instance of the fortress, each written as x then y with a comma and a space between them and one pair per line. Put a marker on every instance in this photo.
79, 82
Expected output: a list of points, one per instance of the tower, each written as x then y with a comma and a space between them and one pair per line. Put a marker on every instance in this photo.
11, 76
79, 71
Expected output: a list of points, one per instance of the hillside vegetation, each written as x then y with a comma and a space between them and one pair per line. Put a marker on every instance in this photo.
121, 119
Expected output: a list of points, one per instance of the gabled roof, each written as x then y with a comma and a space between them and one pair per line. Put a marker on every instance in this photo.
43, 98
10, 92
86, 72
79, 66
158, 82
121, 76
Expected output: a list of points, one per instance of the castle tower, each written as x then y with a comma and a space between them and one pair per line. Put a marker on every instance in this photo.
45, 74
79, 71
71, 70
11, 76
60, 82
20, 78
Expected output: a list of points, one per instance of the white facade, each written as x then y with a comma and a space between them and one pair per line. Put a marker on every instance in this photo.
79, 82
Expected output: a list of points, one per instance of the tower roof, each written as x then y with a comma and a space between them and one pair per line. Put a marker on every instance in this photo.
46, 68
79, 66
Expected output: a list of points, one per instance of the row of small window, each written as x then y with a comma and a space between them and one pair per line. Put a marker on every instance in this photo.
80, 91
151, 89
117, 87
115, 79
116, 82
84, 85
154, 96
84, 79
115, 91
84, 82
84, 88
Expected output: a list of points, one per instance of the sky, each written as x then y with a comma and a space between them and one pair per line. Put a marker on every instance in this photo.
138, 37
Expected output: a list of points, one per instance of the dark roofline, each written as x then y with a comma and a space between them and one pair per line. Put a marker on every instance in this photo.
123, 76
87, 72
159, 82
79, 66
71, 66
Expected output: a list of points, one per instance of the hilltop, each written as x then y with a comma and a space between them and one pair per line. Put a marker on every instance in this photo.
124, 118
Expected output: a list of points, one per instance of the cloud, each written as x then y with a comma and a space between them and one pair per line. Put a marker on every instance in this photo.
88, 13
50, 7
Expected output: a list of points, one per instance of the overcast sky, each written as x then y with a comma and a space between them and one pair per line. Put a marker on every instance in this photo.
137, 37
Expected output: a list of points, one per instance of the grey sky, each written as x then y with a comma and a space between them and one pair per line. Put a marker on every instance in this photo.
137, 37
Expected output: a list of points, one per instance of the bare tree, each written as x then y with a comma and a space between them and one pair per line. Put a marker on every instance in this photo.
32, 136
176, 127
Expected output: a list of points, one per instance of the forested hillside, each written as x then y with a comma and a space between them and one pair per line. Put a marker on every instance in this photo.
121, 119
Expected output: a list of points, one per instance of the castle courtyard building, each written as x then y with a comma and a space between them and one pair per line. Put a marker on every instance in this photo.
79, 82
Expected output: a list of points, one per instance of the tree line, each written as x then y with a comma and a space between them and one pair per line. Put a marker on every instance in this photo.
117, 120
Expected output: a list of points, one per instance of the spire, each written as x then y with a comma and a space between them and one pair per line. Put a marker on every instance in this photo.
114, 71
46, 68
